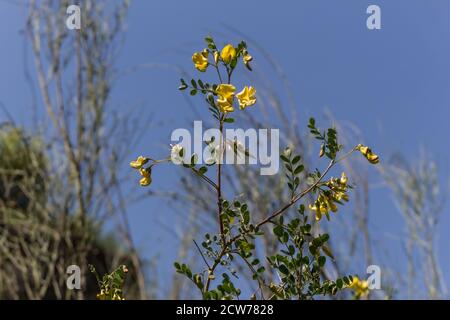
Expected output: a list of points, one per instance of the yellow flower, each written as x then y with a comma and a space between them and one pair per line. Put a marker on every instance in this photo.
344, 179
339, 188
326, 201
360, 287
373, 158
331, 205
340, 196
320, 207
225, 105
200, 60
367, 152
247, 58
146, 177
139, 162
319, 210
322, 151
216, 57
225, 91
228, 53
101, 295
117, 296
225, 100
246, 97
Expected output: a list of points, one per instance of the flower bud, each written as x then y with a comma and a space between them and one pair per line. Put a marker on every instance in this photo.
322, 151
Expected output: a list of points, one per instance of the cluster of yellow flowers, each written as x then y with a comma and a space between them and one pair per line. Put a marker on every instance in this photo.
138, 164
104, 295
326, 201
226, 92
111, 285
227, 55
367, 152
360, 287
338, 188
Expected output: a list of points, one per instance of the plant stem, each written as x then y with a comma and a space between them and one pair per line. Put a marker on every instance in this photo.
205, 178
218, 73
201, 253
297, 197
219, 181
214, 266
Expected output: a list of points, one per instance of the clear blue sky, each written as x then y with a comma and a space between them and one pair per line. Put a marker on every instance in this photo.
393, 83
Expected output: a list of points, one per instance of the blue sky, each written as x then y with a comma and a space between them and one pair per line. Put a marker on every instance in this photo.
393, 83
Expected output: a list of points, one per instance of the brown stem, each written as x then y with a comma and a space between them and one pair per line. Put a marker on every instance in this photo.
297, 197
214, 266
219, 182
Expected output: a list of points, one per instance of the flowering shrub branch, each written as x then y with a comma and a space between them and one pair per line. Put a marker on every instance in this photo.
111, 284
301, 261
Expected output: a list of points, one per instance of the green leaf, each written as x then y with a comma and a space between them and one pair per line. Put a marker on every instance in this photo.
278, 231
312, 249
301, 209
194, 159
325, 237
291, 250
285, 237
322, 261
299, 169
246, 215
283, 269
284, 158
328, 252
229, 120
306, 228
233, 63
